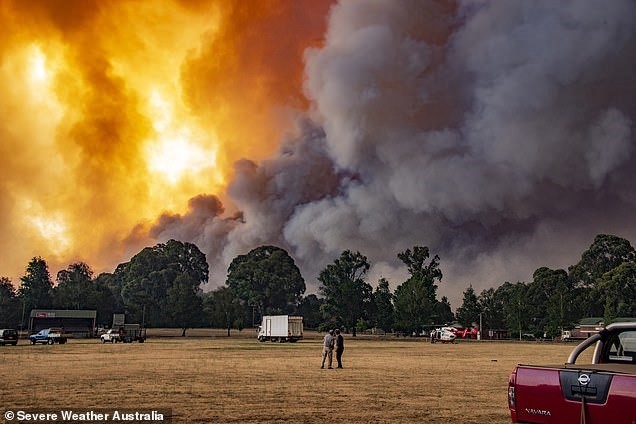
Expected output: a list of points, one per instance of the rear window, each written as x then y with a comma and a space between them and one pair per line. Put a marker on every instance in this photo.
8, 332
622, 348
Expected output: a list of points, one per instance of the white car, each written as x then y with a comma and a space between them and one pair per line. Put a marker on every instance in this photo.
110, 336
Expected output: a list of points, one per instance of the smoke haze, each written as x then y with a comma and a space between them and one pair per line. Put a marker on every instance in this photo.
499, 134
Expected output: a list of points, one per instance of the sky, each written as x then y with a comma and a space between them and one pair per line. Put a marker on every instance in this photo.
498, 134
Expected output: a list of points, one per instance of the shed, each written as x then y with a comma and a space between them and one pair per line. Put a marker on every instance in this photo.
590, 326
80, 323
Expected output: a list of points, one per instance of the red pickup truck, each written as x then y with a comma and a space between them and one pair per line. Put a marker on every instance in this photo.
601, 392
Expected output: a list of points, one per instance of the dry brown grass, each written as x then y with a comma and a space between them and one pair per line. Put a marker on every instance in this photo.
237, 379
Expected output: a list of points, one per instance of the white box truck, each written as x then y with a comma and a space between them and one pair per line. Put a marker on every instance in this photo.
281, 328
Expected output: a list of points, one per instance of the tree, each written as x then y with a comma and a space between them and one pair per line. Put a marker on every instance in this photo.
384, 312
550, 295
468, 313
309, 309
268, 279
491, 303
413, 309
347, 296
184, 304
224, 309
10, 306
74, 289
618, 289
416, 298
35, 289
515, 306
606, 253
110, 301
146, 279
444, 311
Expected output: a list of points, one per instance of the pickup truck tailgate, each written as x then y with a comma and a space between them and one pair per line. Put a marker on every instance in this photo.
551, 395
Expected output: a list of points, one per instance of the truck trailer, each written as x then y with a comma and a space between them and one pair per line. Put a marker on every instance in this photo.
281, 328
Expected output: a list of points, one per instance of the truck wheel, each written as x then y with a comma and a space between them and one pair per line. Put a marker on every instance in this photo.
103, 341
50, 341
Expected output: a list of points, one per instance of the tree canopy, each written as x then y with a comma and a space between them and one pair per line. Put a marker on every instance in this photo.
36, 286
606, 253
415, 300
267, 279
224, 309
347, 296
10, 305
146, 280
468, 313
161, 286
384, 311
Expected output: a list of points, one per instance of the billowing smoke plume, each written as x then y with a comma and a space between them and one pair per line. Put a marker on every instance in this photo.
499, 134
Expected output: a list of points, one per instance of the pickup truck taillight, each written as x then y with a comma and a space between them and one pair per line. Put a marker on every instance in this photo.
511, 396
511, 389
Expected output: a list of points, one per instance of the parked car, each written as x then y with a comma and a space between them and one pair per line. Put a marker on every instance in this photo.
110, 336
49, 336
8, 336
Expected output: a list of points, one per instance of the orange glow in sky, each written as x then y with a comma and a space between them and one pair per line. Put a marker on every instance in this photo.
116, 112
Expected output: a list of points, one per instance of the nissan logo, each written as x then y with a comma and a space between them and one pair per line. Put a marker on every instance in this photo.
584, 379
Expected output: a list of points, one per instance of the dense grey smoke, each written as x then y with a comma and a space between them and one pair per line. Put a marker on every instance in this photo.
499, 134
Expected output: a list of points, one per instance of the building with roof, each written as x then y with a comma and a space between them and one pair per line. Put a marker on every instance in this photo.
589, 326
80, 323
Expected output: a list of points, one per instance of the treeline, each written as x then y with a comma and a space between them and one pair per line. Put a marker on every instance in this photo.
161, 287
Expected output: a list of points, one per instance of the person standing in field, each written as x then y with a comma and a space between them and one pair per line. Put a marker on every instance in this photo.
339, 347
327, 349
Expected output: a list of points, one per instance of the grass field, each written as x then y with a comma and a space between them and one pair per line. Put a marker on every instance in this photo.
207, 377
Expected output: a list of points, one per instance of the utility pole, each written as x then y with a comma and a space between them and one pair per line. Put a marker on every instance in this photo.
519, 314
22, 320
480, 328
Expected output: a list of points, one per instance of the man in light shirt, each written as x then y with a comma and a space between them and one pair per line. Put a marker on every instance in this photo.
327, 349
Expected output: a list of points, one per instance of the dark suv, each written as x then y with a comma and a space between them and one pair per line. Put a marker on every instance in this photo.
8, 336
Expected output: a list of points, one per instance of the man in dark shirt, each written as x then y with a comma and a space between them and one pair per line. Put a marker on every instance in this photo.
339, 347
